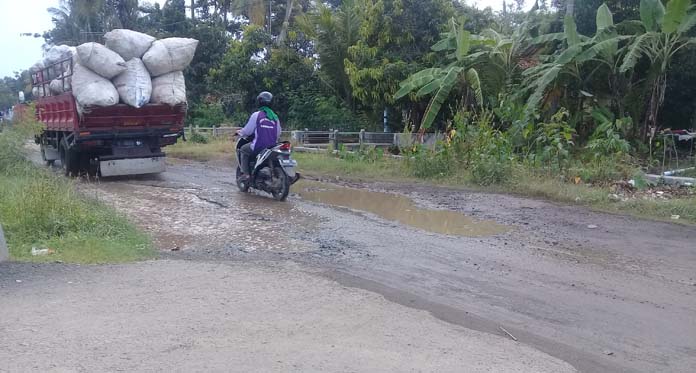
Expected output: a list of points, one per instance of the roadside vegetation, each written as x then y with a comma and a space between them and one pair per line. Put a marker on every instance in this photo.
569, 100
431, 167
199, 148
42, 211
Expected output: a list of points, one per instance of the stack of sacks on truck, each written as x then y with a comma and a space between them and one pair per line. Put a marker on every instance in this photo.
132, 68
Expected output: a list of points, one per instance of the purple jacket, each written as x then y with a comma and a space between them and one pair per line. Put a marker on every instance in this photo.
266, 132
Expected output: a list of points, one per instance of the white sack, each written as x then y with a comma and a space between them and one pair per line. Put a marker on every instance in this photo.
57, 86
38, 91
90, 89
101, 60
134, 85
57, 53
128, 43
169, 89
35, 68
75, 55
169, 55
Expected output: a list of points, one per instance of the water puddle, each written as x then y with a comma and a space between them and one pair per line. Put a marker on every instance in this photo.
400, 209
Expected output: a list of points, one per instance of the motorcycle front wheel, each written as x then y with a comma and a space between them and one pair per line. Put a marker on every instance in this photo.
241, 184
281, 194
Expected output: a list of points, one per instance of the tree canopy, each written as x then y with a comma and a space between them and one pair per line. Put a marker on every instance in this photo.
342, 64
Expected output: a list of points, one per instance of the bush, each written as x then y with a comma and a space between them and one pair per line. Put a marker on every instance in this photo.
489, 170
198, 138
426, 163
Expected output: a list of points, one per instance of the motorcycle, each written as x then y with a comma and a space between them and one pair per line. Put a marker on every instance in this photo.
272, 171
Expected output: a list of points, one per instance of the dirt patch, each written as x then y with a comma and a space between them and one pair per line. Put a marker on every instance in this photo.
568, 281
193, 316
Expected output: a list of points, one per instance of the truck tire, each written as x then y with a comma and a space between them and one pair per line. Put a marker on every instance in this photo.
68, 159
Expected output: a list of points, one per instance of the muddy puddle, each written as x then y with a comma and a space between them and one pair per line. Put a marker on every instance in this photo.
400, 209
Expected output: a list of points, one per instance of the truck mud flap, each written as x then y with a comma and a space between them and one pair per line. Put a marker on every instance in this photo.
133, 166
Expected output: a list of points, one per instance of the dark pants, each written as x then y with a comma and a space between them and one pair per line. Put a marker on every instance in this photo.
246, 155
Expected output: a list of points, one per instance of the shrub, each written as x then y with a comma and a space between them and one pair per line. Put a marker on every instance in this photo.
490, 170
198, 138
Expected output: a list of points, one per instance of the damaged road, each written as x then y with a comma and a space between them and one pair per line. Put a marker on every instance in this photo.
602, 292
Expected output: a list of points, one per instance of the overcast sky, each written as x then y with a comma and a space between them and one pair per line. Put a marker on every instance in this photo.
20, 16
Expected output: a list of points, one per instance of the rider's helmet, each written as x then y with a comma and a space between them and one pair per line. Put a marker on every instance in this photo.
264, 98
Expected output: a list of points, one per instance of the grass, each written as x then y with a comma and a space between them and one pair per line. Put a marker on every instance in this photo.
324, 165
216, 149
522, 182
39, 209
688, 173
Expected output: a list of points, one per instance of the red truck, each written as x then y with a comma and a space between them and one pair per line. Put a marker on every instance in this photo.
107, 141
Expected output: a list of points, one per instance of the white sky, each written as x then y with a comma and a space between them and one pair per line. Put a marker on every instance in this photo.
20, 16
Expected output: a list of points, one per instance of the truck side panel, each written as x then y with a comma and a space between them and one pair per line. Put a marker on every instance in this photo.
58, 113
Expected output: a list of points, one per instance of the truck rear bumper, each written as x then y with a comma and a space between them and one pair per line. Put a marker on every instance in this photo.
133, 166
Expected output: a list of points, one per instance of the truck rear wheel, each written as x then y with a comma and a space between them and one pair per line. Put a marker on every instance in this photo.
68, 159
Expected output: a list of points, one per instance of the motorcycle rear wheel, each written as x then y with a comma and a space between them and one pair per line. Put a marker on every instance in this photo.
281, 194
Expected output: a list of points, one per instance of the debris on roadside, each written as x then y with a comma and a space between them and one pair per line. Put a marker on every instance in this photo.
41, 252
508, 333
626, 191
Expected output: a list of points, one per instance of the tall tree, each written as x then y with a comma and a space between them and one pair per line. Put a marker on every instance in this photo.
334, 31
395, 40
286, 21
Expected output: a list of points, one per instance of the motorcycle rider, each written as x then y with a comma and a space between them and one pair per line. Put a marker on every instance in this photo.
264, 124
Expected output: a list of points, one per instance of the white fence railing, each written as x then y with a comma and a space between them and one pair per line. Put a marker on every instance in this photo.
336, 139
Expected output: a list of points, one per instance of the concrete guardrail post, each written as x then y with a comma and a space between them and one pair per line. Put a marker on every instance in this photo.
4, 254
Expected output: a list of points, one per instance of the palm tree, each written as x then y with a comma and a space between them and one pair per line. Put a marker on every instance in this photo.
286, 21
72, 18
664, 34
255, 10
334, 32
440, 81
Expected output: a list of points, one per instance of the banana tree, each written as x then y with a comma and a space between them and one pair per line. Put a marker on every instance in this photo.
440, 81
664, 34
581, 59
540, 78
